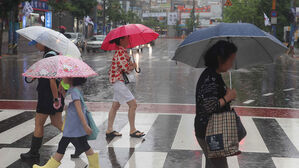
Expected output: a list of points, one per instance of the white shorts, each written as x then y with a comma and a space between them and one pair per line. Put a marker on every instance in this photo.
122, 94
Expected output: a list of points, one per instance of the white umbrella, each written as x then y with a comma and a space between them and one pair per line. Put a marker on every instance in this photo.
51, 39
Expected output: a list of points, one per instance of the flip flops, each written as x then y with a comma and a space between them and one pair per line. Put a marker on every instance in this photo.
134, 135
113, 134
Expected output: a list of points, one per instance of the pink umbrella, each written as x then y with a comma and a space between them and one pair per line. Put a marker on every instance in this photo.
138, 34
59, 67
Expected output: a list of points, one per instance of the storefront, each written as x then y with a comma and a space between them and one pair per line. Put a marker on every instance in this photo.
39, 16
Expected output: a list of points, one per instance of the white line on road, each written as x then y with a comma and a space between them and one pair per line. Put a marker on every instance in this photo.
248, 101
268, 94
290, 89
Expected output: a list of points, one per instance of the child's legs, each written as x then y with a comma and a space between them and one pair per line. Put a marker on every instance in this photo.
82, 145
63, 143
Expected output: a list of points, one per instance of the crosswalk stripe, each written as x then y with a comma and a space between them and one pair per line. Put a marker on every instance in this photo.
275, 138
286, 162
185, 130
161, 134
10, 155
19, 131
5, 114
253, 142
232, 162
290, 127
99, 118
143, 123
12, 121
147, 160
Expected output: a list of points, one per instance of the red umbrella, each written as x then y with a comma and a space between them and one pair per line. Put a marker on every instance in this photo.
138, 34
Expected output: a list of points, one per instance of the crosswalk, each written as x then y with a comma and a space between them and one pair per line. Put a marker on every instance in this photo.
170, 141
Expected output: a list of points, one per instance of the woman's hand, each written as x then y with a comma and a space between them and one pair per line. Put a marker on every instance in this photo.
133, 65
56, 103
88, 130
231, 94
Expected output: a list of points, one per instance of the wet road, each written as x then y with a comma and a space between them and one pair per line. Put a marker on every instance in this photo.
163, 81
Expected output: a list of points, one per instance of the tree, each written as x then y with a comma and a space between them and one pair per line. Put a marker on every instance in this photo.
132, 18
115, 12
59, 6
252, 11
191, 22
80, 8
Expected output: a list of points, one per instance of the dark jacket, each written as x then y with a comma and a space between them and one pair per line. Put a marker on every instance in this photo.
210, 88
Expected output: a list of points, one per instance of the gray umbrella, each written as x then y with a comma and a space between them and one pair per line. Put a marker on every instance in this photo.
254, 45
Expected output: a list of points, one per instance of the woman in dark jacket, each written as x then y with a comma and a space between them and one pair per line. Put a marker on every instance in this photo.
212, 95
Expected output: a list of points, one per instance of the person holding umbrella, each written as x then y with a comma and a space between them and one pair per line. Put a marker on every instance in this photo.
212, 95
78, 125
215, 48
121, 64
49, 103
119, 39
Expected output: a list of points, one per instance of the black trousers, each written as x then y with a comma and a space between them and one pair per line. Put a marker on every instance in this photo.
80, 144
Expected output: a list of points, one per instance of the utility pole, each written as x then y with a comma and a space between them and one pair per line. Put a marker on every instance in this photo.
293, 26
193, 15
274, 17
95, 24
104, 17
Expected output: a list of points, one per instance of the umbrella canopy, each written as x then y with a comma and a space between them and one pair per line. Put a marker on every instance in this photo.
138, 34
51, 39
254, 45
59, 67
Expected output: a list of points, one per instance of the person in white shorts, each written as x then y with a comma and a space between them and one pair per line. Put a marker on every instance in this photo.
121, 64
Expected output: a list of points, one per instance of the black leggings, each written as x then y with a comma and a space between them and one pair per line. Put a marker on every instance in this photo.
80, 144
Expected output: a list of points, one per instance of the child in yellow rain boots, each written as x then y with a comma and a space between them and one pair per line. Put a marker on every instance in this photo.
76, 127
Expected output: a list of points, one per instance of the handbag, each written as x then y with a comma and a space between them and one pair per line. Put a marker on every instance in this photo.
91, 122
93, 126
222, 135
129, 78
241, 129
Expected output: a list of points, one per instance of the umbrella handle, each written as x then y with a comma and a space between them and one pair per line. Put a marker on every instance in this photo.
138, 70
27, 81
230, 80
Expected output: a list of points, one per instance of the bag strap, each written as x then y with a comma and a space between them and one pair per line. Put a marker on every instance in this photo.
81, 98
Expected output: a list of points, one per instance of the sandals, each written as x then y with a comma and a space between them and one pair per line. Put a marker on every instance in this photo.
135, 134
113, 134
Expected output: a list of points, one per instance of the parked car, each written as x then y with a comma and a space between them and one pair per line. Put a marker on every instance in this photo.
76, 38
95, 43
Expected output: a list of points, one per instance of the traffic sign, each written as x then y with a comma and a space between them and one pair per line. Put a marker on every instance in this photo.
274, 14
48, 22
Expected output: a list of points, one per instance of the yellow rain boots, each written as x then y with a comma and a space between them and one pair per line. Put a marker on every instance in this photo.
93, 160
52, 163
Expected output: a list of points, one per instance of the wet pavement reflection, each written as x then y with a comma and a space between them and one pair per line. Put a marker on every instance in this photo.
164, 81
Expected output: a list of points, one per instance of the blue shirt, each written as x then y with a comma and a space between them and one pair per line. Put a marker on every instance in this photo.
73, 126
